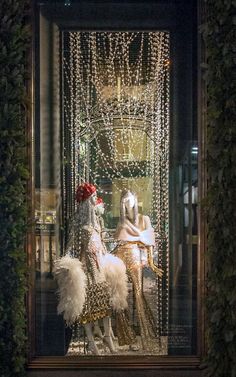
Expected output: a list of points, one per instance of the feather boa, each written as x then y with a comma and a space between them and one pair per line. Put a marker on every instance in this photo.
115, 273
71, 281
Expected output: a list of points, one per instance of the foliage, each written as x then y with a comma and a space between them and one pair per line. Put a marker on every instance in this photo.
220, 36
219, 33
14, 42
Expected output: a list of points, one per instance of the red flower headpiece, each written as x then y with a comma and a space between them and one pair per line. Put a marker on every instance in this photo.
84, 191
99, 201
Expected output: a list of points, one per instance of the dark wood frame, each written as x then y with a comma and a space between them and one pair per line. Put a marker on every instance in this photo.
126, 362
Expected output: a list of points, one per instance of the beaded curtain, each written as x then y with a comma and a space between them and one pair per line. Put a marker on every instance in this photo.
116, 128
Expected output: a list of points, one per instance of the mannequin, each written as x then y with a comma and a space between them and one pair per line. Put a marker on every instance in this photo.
91, 301
114, 271
136, 240
100, 209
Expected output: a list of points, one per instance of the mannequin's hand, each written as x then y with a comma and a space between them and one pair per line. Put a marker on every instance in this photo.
142, 238
146, 239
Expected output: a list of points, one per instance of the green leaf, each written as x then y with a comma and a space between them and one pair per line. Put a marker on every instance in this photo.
229, 335
219, 206
14, 45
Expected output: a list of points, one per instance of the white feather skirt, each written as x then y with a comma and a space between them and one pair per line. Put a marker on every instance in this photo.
71, 281
115, 274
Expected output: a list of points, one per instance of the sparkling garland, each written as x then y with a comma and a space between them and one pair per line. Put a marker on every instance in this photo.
117, 84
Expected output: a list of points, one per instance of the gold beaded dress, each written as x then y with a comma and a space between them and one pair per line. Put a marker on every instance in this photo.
132, 249
97, 298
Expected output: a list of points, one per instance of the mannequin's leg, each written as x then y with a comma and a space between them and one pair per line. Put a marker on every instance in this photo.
110, 329
91, 343
107, 334
97, 331
111, 332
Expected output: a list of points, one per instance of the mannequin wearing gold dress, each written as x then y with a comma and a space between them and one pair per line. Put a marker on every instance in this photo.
136, 239
92, 283
88, 299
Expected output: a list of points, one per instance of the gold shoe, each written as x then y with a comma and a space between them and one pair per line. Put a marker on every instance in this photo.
134, 347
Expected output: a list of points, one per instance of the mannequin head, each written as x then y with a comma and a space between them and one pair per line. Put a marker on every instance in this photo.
86, 197
85, 191
100, 207
93, 198
129, 206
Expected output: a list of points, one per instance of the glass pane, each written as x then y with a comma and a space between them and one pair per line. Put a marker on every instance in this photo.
113, 138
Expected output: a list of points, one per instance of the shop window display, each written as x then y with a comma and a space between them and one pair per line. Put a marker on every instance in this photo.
109, 270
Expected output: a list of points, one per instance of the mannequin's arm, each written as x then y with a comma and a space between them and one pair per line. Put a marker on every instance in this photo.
122, 235
147, 236
154, 268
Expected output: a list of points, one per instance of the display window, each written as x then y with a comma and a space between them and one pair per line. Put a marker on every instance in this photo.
116, 187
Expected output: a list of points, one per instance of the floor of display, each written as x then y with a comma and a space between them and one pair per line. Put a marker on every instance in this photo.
80, 348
